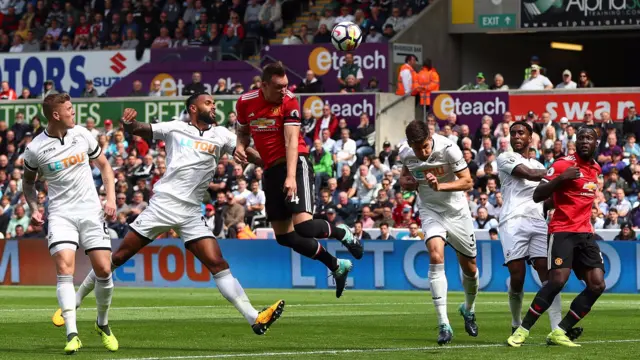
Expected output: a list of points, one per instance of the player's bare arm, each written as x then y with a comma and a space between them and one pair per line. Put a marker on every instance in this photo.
31, 194
108, 180
253, 156
523, 172
291, 135
136, 128
464, 182
546, 188
241, 154
407, 181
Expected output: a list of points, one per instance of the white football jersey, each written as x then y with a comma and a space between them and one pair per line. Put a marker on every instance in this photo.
192, 157
517, 193
64, 163
445, 160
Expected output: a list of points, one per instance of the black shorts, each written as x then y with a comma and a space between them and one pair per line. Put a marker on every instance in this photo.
278, 206
577, 251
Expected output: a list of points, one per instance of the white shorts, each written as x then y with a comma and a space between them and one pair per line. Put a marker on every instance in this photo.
68, 231
523, 238
165, 214
456, 230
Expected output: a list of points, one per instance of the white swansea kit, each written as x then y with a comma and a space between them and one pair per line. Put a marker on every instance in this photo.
75, 213
192, 157
443, 214
522, 229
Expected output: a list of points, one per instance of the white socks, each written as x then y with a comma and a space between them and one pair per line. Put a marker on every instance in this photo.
231, 289
515, 305
470, 286
87, 287
104, 292
67, 301
438, 282
555, 311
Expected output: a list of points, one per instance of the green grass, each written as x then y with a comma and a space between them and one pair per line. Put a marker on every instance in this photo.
200, 324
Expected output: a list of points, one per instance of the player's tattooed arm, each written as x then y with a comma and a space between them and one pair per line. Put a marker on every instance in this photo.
524, 172
29, 187
253, 156
241, 153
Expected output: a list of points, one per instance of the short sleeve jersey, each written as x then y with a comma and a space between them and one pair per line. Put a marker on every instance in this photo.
192, 157
64, 164
518, 192
573, 198
267, 122
444, 162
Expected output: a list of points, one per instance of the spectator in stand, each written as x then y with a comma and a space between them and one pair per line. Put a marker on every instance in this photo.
396, 20
31, 44
566, 83
17, 46
346, 209
254, 203
346, 180
19, 218
407, 218
328, 121
322, 164
385, 234
252, 17
292, 38
480, 83
367, 217
351, 85
313, 23
304, 34
359, 233
195, 86
229, 45
326, 202
270, 18
584, 81
613, 220
310, 84
233, 215
484, 220
156, 89
221, 88
26, 94
137, 89
615, 163
349, 68
344, 151
163, 40
345, 16
363, 186
322, 36
498, 83
179, 40
536, 81
374, 36
622, 205
626, 233
5, 44
89, 91
364, 137
328, 20
382, 202
7, 92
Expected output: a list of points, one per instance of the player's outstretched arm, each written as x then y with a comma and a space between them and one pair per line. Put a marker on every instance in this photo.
108, 180
546, 188
243, 140
524, 172
136, 128
253, 156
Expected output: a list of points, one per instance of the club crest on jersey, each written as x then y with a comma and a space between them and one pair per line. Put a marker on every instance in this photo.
558, 261
67, 162
275, 111
201, 146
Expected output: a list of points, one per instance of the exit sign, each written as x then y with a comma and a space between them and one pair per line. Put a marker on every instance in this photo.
497, 21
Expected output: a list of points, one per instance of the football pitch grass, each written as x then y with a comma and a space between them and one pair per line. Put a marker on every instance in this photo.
185, 324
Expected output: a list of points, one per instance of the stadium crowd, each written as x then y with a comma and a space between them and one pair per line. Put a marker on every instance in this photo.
44, 25
354, 185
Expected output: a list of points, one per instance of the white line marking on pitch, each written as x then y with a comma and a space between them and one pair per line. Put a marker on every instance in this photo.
351, 351
620, 302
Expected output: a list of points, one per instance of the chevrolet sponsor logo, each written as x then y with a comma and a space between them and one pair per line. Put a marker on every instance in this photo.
262, 122
590, 186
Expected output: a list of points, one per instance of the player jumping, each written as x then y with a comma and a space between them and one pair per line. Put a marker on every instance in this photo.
572, 181
523, 228
193, 150
61, 156
442, 176
271, 115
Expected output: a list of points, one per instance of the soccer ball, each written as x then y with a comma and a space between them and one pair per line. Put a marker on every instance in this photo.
346, 36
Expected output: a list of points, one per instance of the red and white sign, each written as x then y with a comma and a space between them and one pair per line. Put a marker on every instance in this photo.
573, 106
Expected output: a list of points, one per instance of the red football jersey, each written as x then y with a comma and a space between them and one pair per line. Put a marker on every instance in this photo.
267, 122
573, 198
